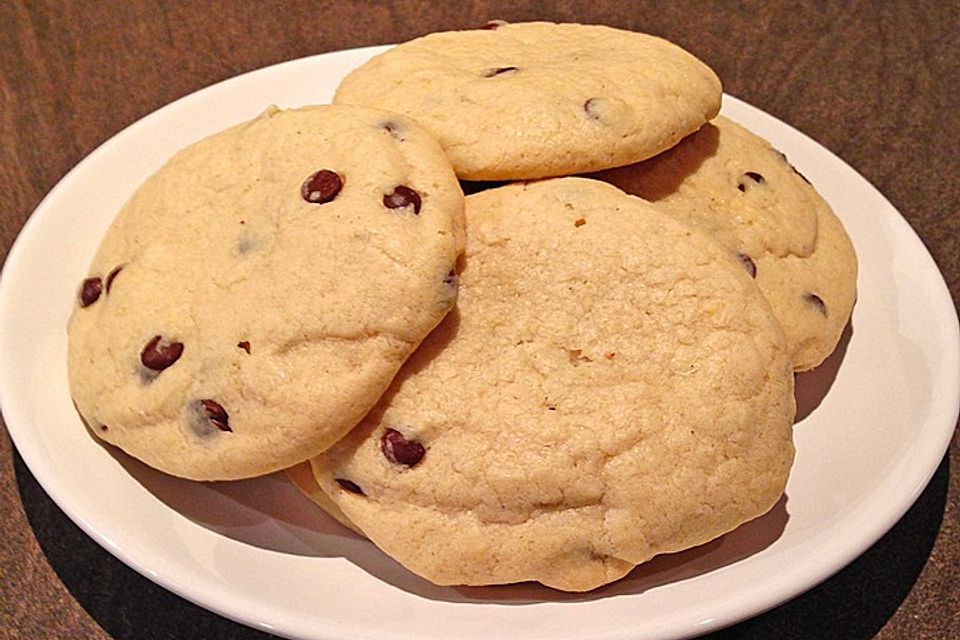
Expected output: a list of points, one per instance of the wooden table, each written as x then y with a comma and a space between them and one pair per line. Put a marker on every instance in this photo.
874, 82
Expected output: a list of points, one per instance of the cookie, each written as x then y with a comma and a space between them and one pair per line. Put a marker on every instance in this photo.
611, 386
257, 294
737, 186
533, 100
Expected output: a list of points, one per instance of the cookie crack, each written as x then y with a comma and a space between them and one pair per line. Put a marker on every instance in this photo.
318, 337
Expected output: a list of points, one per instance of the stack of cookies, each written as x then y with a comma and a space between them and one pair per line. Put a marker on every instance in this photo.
555, 379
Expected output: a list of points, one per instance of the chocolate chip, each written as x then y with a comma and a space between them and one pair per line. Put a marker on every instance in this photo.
402, 197
104, 428
90, 291
159, 354
323, 186
393, 129
752, 175
399, 450
243, 344
113, 274
244, 245
214, 413
817, 302
499, 71
592, 108
748, 264
579, 222
451, 279
493, 24
448, 295
350, 486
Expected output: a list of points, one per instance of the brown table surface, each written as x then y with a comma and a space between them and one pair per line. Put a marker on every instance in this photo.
874, 82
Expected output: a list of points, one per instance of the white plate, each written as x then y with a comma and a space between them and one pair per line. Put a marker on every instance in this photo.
877, 420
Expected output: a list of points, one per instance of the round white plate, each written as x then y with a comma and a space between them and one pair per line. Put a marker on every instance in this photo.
875, 421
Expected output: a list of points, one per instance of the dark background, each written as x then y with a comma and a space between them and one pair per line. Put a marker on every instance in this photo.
874, 82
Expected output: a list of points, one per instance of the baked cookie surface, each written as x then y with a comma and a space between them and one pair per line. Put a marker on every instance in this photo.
611, 386
735, 185
532, 100
257, 294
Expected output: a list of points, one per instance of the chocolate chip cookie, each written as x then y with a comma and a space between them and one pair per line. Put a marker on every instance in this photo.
258, 293
532, 100
738, 187
611, 386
